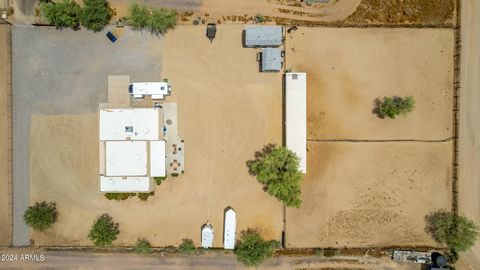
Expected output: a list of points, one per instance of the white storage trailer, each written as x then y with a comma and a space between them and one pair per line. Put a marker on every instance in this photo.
230, 229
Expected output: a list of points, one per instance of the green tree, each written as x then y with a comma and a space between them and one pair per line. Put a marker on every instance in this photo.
41, 216
251, 249
392, 106
62, 14
161, 20
96, 14
139, 15
457, 232
104, 230
187, 246
143, 246
277, 168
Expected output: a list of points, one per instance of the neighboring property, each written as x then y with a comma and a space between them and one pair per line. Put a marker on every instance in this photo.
296, 116
271, 59
263, 36
126, 138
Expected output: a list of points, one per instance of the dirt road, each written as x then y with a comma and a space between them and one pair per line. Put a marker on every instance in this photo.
71, 260
469, 174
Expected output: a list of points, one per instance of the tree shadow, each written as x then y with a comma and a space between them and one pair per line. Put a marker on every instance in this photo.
268, 148
377, 103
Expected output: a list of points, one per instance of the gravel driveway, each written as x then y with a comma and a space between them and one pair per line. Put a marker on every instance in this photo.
65, 72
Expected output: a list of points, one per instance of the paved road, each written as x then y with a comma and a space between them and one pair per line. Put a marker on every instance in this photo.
65, 72
469, 181
70, 260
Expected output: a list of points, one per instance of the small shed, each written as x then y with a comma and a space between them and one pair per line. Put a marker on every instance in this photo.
271, 60
230, 229
263, 36
207, 235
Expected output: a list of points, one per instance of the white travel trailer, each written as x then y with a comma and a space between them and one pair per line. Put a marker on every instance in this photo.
157, 90
207, 235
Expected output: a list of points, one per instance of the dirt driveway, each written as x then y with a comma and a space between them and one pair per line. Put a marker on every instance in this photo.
226, 111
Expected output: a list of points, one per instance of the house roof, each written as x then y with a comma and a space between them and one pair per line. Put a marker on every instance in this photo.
271, 59
263, 36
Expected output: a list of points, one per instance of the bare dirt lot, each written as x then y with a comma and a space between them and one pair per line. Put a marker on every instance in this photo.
349, 68
227, 111
373, 193
370, 194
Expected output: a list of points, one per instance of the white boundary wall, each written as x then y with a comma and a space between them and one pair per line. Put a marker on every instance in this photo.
157, 159
296, 116
130, 184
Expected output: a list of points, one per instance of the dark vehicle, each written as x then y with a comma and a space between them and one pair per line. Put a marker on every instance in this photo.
111, 36
211, 31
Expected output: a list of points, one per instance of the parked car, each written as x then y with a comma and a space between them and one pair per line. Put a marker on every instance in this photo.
111, 36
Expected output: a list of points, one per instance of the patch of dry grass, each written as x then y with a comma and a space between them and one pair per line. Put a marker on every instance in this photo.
437, 12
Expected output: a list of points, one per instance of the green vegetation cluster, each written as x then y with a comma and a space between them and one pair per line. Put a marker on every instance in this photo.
187, 246
157, 21
104, 231
456, 232
391, 107
277, 168
251, 249
41, 215
94, 15
143, 246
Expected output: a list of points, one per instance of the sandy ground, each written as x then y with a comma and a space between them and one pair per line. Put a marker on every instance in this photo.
349, 68
469, 158
5, 137
219, 92
370, 194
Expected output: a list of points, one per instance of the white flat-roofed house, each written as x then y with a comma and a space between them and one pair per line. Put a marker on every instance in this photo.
132, 124
130, 150
126, 158
296, 116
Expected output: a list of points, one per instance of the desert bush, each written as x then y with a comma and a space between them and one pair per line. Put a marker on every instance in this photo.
187, 246
143, 246
456, 232
277, 168
119, 196
393, 106
144, 196
96, 14
62, 14
104, 230
159, 180
259, 18
157, 21
41, 215
251, 249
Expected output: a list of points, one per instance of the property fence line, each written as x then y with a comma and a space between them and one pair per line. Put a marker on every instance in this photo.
456, 103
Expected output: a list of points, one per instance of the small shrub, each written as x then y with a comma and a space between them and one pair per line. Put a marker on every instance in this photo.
319, 252
143, 246
62, 14
251, 249
393, 106
138, 18
196, 21
187, 246
144, 196
452, 256
174, 174
259, 18
96, 14
104, 230
330, 252
159, 180
41, 216
161, 20
119, 196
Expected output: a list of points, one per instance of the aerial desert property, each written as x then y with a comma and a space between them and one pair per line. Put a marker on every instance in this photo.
259, 128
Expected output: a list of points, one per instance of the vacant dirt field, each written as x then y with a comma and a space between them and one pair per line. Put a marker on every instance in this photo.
349, 68
370, 194
227, 110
